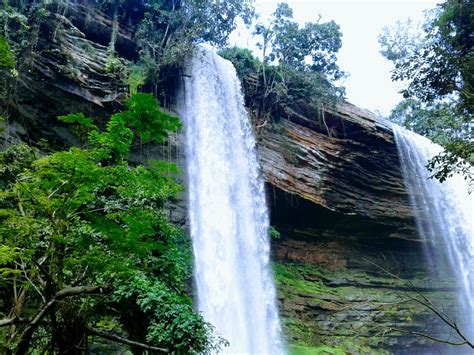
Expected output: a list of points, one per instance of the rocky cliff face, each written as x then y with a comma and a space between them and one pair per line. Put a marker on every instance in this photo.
335, 191
348, 239
351, 167
66, 72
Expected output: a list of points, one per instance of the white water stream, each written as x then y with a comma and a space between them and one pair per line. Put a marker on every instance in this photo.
227, 209
444, 216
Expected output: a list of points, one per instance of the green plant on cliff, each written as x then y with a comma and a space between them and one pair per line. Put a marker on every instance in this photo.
167, 31
136, 79
7, 58
274, 233
299, 63
170, 30
86, 250
20, 23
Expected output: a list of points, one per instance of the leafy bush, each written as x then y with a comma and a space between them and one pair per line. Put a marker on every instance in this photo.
7, 58
242, 59
85, 241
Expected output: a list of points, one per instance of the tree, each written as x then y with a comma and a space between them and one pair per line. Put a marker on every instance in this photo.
439, 70
86, 250
299, 63
437, 121
170, 29
309, 48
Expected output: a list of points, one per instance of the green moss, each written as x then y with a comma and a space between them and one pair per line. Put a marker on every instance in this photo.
7, 58
342, 348
291, 277
304, 333
348, 303
314, 350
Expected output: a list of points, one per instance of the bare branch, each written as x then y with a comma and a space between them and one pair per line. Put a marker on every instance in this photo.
424, 301
424, 335
9, 321
119, 339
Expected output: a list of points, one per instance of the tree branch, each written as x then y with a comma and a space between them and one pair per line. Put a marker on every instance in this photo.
25, 338
424, 301
119, 339
9, 321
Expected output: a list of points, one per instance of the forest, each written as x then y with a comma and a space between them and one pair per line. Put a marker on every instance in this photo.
94, 254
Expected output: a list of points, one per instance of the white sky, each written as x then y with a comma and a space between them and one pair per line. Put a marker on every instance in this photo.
369, 84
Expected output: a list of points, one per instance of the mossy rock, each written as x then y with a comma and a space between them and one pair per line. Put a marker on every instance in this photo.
327, 310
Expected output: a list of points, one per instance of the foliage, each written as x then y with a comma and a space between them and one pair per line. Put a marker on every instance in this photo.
309, 48
270, 88
7, 58
437, 121
146, 119
115, 66
79, 123
441, 123
20, 22
169, 30
18, 160
401, 40
85, 219
299, 64
242, 59
439, 70
457, 158
136, 78
274, 233
166, 30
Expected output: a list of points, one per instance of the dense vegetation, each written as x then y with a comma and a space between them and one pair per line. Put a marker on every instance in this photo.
299, 64
439, 70
86, 248
166, 31
87, 251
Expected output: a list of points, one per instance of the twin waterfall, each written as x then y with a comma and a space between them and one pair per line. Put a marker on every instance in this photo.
227, 210
229, 219
445, 219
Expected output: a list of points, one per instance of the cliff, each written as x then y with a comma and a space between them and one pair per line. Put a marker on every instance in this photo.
335, 191
351, 168
337, 197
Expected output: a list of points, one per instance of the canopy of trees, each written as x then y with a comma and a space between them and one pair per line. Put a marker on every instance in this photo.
86, 248
299, 63
439, 70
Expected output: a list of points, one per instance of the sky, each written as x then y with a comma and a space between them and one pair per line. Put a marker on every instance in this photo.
369, 84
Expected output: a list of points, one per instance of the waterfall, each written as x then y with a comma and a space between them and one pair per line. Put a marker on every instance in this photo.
227, 209
444, 217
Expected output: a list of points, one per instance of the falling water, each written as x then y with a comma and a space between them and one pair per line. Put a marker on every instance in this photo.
227, 209
444, 215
